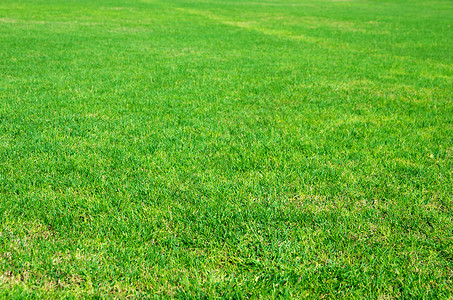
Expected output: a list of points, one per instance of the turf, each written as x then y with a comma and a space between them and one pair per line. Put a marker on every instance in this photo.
226, 149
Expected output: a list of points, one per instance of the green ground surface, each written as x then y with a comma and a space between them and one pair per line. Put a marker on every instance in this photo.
236, 149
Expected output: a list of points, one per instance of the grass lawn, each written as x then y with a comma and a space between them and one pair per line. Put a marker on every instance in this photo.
226, 149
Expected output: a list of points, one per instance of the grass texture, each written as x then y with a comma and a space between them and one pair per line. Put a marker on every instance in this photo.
226, 149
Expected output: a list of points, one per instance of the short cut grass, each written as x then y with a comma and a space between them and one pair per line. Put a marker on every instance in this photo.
226, 149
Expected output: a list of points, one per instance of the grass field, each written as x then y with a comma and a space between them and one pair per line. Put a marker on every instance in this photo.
226, 149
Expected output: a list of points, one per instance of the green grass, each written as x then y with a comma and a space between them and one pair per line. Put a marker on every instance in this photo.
232, 149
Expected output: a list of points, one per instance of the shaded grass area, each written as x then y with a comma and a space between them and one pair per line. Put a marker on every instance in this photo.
226, 149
